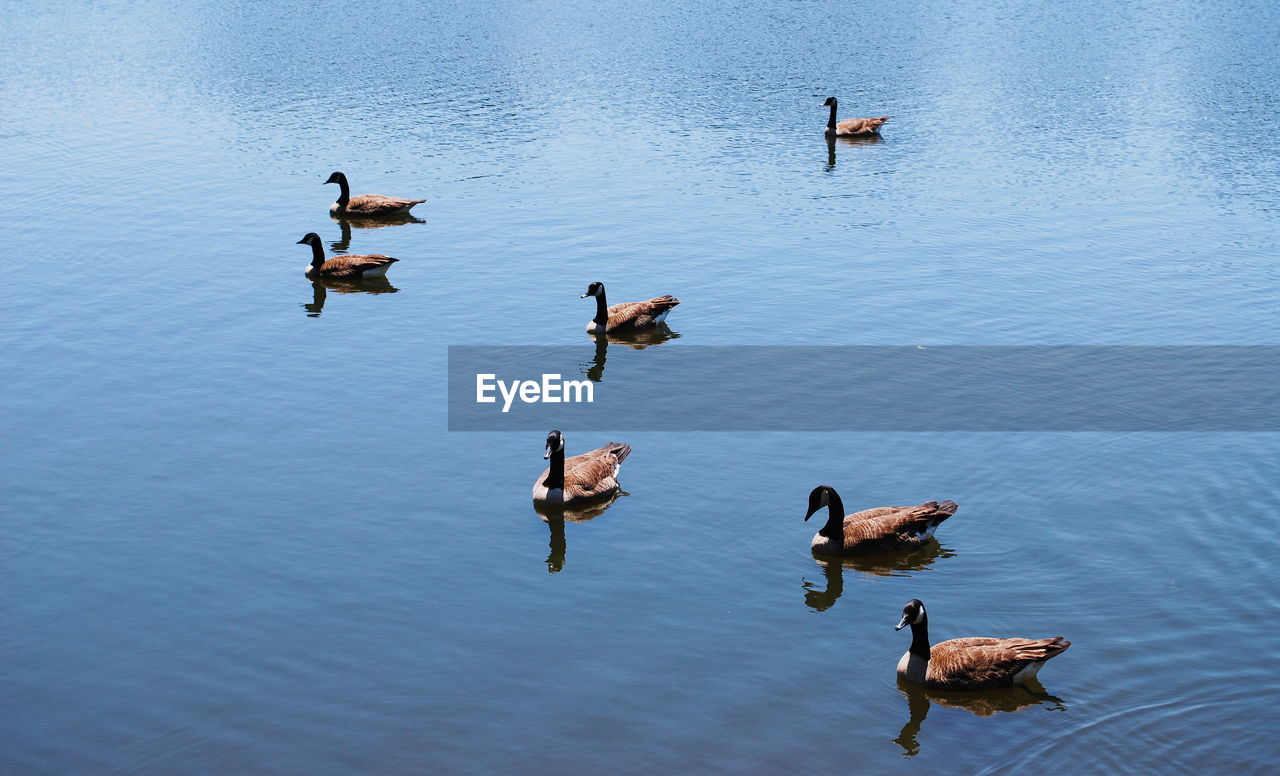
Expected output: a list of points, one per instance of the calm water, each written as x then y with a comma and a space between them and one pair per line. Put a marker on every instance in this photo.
237, 537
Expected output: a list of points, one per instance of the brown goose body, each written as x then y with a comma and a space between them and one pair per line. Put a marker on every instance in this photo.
627, 316
582, 479
852, 127
366, 205
353, 267
873, 531
970, 663
860, 127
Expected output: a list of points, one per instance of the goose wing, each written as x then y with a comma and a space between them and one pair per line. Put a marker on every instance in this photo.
640, 315
890, 528
594, 474
860, 126
354, 266
379, 205
975, 663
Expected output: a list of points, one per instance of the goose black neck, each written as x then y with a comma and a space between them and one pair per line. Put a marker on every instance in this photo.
831, 122
602, 309
920, 637
834, 529
555, 473
317, 254
345, 195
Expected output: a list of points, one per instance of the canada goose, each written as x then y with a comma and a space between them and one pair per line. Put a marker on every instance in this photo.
366, 205
852, 127
343, 267
628, 316
580, 479
883, 529
972, 663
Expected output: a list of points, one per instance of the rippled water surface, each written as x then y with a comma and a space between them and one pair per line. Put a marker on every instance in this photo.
238, 539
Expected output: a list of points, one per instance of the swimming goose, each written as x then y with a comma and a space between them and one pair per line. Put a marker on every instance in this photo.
973, 663
628, 316
343, 267
852, 127
366, 205
883, 529
580, 479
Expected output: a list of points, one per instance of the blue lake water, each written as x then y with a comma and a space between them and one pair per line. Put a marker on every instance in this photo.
238, 537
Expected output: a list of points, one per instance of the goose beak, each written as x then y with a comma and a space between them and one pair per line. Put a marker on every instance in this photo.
547, 454
303, 241
584, 296
905, 621
809, 514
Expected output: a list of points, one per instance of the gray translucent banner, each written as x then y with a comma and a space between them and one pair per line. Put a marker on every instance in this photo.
814, 388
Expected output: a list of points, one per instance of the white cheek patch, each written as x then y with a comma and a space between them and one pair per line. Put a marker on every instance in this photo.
919, 617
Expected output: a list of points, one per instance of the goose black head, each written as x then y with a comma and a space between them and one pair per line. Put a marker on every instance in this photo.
819, 497
555, 443
595, 289
337, 177
311, 239
912, 614
830, 101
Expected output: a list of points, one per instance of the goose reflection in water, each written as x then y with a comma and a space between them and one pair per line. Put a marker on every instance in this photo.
634, 340
894, 564
343, 243
867, 140
320, 291
981, 703
555, 520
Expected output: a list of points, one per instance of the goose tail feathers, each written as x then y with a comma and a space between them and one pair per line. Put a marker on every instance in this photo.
939, 511
1055, 646
618, 450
